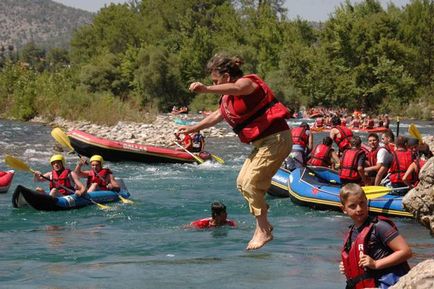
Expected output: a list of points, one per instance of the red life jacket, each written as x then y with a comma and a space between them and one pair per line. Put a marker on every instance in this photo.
187, 141
250, 125
348, 169
320, 156
357, 277
402, 159
99, 178
372, 157
343, 142
371, 123
356, 123
299, 136
205, 223
64, 179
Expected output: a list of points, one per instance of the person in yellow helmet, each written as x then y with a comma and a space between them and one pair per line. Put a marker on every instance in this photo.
98, 177
63, 181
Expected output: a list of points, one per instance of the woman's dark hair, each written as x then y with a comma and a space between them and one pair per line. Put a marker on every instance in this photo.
217, 209
222, 63
356, 141
336, 120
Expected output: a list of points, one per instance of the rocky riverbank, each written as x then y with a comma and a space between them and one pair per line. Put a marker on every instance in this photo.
158, 133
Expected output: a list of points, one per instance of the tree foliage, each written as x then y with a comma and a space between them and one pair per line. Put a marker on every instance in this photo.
145, 53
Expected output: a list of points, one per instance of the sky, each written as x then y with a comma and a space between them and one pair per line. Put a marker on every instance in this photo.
312, 10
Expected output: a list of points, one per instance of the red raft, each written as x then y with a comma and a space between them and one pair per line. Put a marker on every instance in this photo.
355, 130
6, 180
115, 151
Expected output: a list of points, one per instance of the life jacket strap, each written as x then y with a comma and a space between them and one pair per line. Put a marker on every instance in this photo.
352, 282
254, 116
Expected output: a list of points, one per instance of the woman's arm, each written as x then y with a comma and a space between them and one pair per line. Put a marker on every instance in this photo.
242, 86
211, 120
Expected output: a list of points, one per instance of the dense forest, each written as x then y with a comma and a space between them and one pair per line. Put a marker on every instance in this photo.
140, 57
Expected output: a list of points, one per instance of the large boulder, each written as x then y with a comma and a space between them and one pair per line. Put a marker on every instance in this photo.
420, 276
420, 200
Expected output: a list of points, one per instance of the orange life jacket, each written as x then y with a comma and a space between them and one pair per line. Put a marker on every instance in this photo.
64, 179
320, 156
348, 169
99, 178
252, 124
402, 159
299, 136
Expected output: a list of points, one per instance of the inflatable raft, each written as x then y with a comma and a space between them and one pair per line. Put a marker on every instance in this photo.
23, 197
319, 188
6, 180
88, 145
354, 130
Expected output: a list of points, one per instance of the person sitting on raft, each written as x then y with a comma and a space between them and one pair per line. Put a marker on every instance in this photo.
198, 142
63, 181
98, 178
401, 161
323, 155
376, 157
353, 163
302, 144
186, 141
218, 218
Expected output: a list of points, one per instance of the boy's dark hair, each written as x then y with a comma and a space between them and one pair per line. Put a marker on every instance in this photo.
389, 133
336, 120
327, 141
374, 135
305, 125
217, 209
356, 141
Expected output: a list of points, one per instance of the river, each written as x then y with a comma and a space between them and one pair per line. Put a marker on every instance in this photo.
145, 245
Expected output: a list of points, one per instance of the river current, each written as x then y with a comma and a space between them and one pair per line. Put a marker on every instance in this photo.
145, 245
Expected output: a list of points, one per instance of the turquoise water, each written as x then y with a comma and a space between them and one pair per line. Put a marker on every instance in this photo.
145, 245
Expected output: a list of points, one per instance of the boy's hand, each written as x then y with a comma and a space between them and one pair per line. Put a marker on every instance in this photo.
368, 262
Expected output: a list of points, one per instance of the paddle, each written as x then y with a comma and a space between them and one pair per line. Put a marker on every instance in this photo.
412, 129
373, 192
62, 138
198, 159
397, 126
20, 165
218, 159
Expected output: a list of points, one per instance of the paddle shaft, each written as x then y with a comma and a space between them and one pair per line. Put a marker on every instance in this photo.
187, 151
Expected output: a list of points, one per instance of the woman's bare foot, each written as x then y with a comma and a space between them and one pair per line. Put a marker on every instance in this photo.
259, 239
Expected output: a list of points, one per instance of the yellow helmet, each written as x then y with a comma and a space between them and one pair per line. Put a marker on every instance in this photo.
97, 158
57, 158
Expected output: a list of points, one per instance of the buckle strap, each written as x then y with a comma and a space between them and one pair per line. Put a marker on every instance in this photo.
352, 282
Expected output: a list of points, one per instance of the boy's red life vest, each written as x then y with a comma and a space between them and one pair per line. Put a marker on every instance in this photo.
64, 179
250, 125
358, 277
205, 223
320, 156
99, 179
402, 159
348, 169
343, 142
299, 136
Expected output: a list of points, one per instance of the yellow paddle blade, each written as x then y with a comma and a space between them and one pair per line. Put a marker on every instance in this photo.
198, 159
61, 137
373, 192
17, 164
125, 201
412, 130
218, 159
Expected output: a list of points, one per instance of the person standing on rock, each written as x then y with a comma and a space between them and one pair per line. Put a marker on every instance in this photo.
255, 115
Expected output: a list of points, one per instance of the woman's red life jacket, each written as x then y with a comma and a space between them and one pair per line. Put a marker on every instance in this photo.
64, 179
348, 169
100, 178
357, 277
299, 136
250, 125
402, 159
205, 223
188, 142
320, 156
343, 142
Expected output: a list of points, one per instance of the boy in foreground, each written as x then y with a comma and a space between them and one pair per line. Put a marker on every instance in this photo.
374, 254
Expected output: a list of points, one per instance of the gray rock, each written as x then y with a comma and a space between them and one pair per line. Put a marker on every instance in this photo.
420, 276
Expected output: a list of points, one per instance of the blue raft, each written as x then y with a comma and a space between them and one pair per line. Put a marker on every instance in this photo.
318, 187
23, 197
